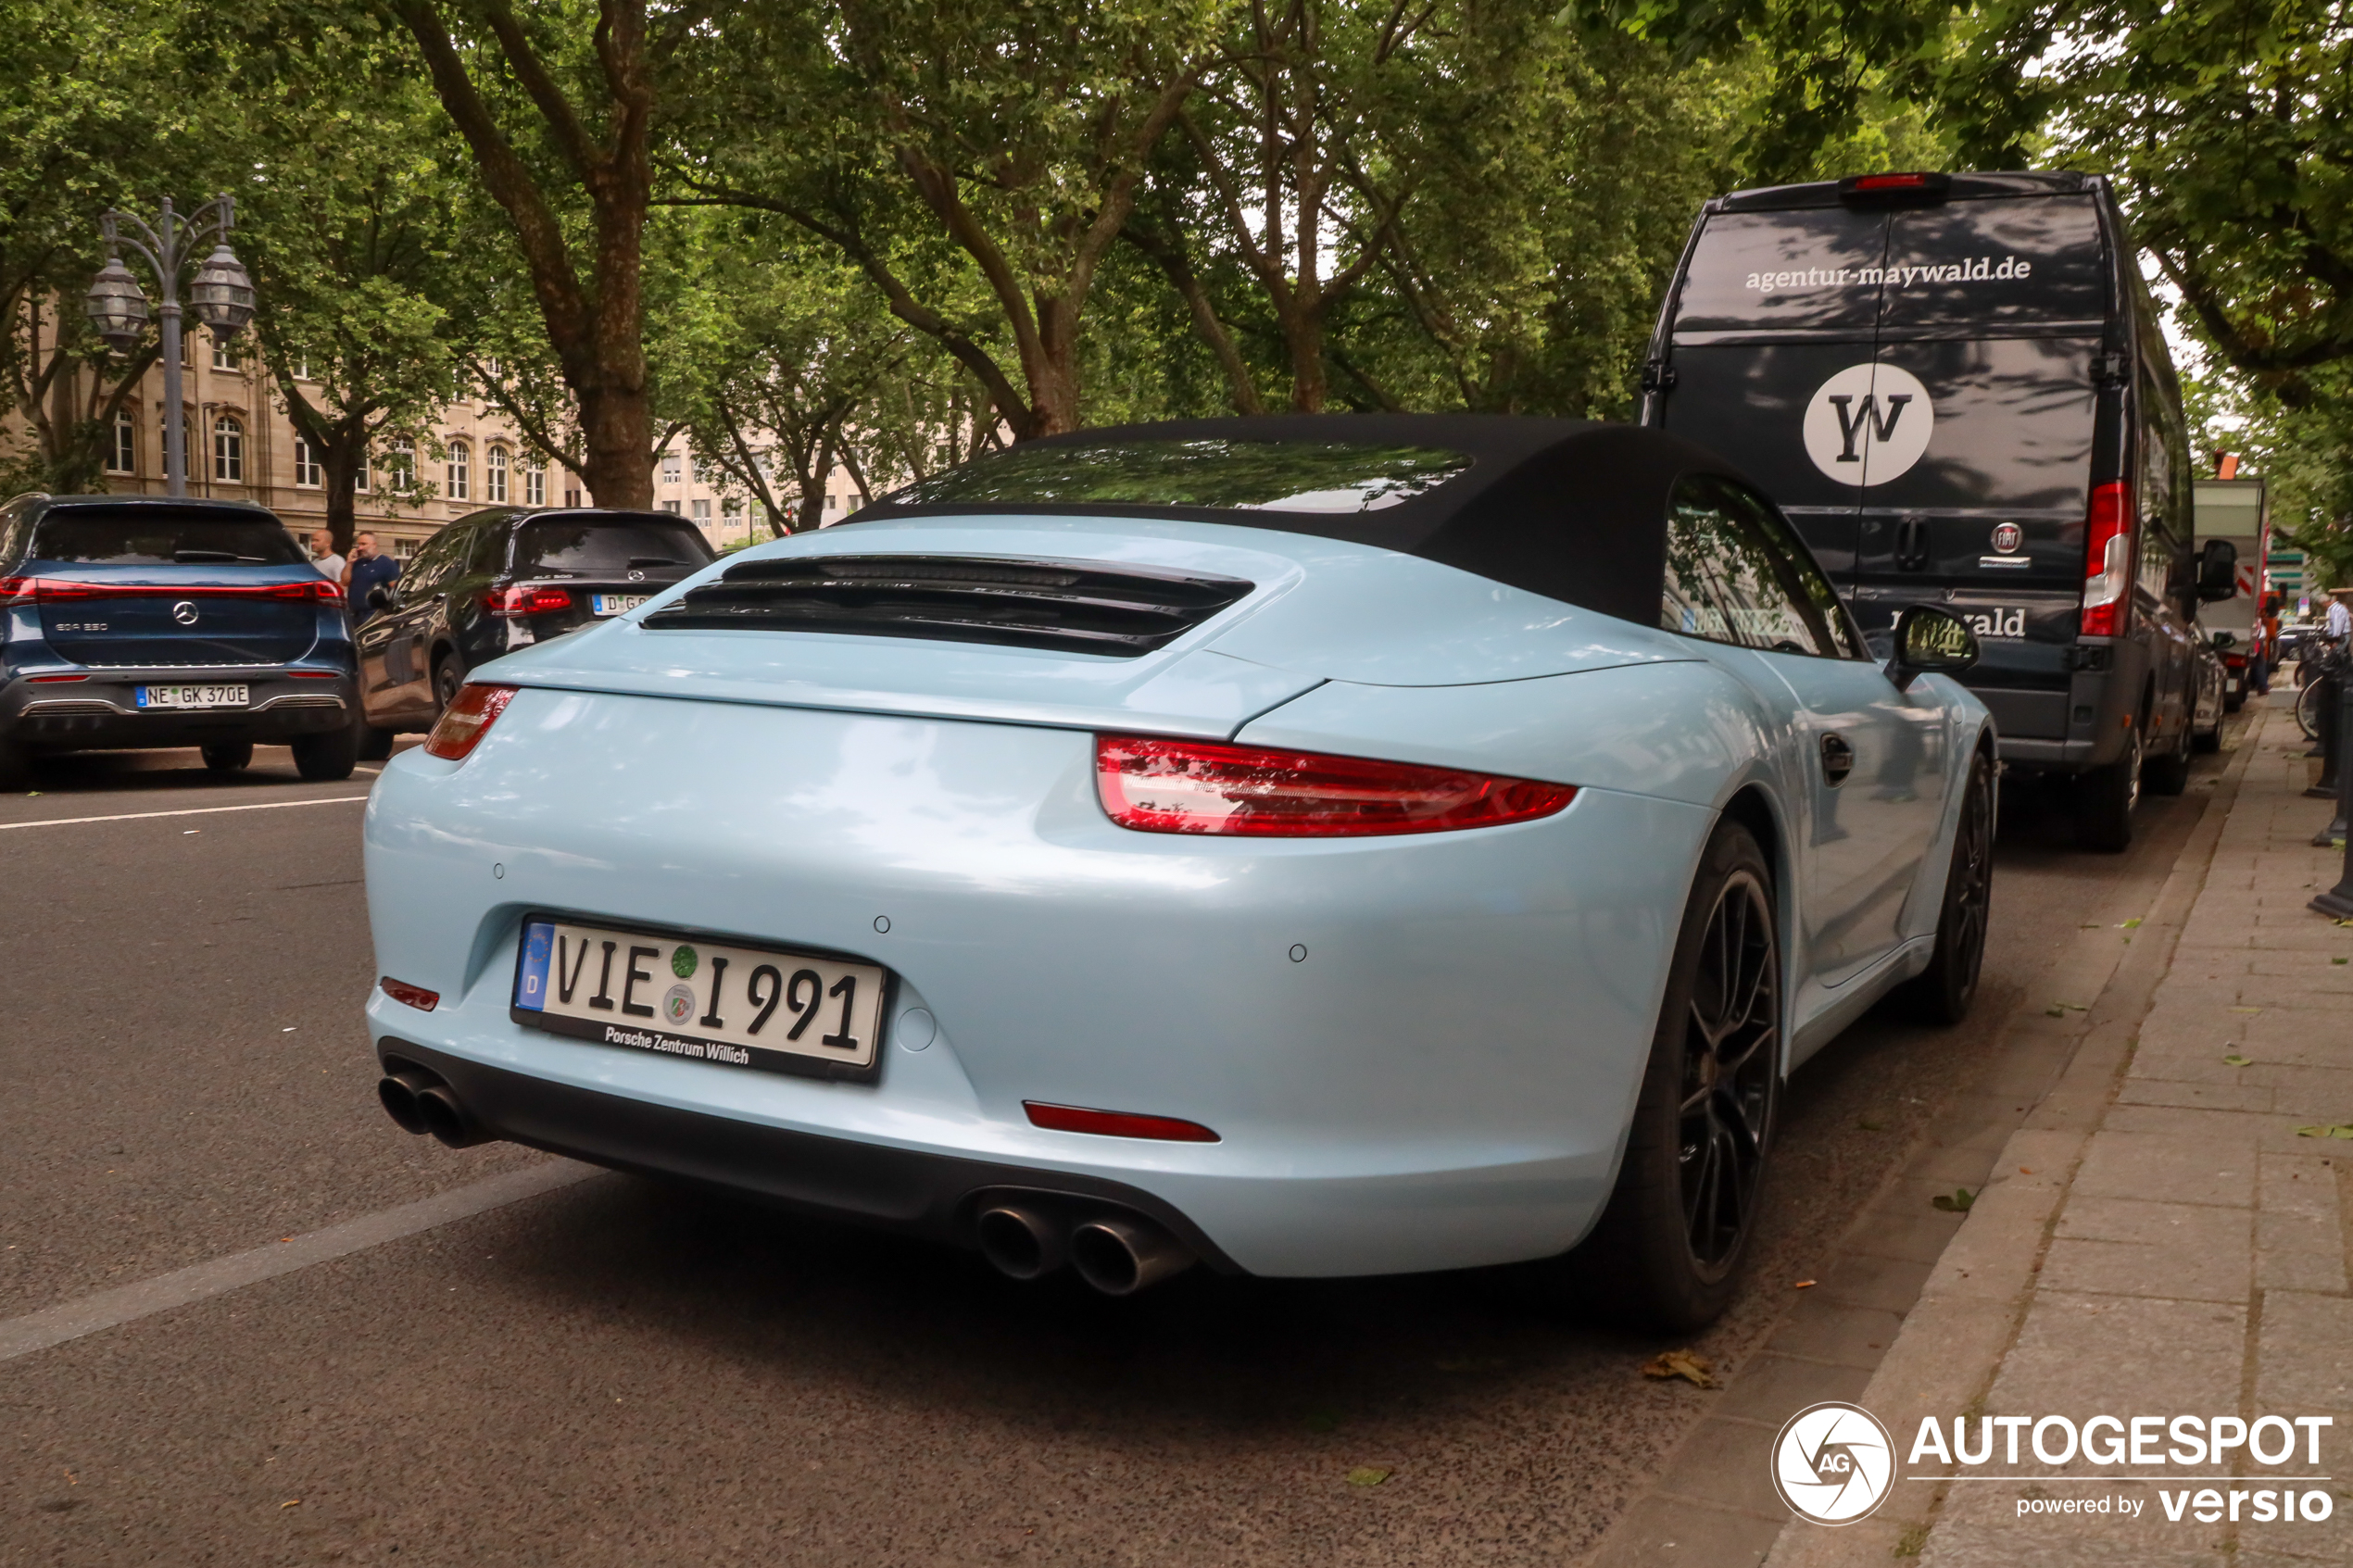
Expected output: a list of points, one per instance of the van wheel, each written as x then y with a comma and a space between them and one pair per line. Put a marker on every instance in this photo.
229, 755
1666, 1254
2105, 799
2168, 774
330, 754
447, 682
1941, 993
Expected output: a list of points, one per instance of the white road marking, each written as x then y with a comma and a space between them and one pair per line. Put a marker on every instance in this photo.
110, 1308
192, 811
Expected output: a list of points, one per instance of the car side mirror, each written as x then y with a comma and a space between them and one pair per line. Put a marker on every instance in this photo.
384, 596
1930, 641
2217, 567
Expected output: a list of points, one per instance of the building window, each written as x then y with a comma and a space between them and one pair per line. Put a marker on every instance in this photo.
535, 485
228, 450
221, 358
122, 453
671, 507
302, 370
571, 495
494, 476
401, 465
307, 473
703, 511
459, 465
404, 547
360, 478
672, 470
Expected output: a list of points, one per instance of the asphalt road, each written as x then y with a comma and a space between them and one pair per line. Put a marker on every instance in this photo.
615, 1372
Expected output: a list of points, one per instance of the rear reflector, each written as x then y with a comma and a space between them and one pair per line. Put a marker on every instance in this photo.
1194, 786
466, 720
2107, 560
409, 995
1115, 1124
44, 678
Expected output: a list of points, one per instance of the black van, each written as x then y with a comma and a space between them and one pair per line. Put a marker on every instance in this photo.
1956, 387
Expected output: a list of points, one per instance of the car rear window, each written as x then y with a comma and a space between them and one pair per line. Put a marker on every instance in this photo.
1986, 263
1279, 476
161, 536
1816, 268
607, 545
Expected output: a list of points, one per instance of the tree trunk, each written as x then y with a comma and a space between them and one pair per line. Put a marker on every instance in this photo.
616, 429
339, 471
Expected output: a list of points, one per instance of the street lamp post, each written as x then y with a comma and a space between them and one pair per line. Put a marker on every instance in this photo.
220, 294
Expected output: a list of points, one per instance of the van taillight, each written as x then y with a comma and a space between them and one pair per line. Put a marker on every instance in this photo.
2107, 560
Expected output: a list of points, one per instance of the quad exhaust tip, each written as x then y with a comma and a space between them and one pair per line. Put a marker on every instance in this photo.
1118, 1254
419, 1103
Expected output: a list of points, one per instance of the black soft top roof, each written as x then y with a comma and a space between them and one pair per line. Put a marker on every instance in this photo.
1573, 509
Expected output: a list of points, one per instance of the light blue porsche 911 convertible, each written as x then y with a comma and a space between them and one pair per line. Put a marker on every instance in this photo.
1302, 847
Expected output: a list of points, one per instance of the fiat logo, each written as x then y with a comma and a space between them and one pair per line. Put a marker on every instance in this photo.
2007, 537
185, 613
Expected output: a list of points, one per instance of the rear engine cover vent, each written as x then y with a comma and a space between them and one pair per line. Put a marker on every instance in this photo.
1065, 607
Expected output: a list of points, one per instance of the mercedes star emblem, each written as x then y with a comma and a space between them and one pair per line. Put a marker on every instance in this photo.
636, 577
185, 613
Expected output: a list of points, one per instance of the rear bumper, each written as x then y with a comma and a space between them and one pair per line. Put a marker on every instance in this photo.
103, 713
935, 1196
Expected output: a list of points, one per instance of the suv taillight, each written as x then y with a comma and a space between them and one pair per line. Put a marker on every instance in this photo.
507, 603
467, 720
27, 590
1196, 786
2107, 560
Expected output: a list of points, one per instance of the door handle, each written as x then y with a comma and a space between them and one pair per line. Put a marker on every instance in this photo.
1911, 544
1838, 760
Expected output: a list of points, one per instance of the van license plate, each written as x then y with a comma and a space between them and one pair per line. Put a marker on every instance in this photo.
192, 697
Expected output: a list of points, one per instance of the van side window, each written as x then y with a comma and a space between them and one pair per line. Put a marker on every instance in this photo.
1728, 582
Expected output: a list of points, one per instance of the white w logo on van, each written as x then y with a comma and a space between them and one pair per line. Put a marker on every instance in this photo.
1861, 427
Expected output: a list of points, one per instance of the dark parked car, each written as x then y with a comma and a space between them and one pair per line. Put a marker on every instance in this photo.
1954, 386
495, 580
151, 621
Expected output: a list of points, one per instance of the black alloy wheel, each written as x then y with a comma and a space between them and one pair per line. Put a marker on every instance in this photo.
1666, 1254
447, 682
1943, 992
1730, 1065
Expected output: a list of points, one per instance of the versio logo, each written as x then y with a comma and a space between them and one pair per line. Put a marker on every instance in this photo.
1868, 425
1833, 1463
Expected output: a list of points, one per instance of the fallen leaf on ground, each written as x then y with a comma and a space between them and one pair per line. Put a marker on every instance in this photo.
1695, 1370
1367, 1476
290, 1502
2342, 1130
2024, 1172
2132, 924
2237, 1060
2055, 1012
2341, 960
1955, 1202
1803, 1285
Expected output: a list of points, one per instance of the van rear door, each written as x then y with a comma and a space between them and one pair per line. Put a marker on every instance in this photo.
1772, 305
1992, 314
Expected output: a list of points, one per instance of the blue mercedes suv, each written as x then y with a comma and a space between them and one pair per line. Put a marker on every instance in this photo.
142, 620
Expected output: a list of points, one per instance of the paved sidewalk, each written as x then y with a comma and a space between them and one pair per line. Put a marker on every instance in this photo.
2158, 1240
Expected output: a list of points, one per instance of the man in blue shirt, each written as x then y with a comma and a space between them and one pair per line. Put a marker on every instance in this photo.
367, 571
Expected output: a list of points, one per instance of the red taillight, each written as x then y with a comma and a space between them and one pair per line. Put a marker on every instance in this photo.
1115, 1124
1197, 786
314, 674
466, 720
1891, 181
38, 677
409, 995
2107, 560
511, 602
20, 590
